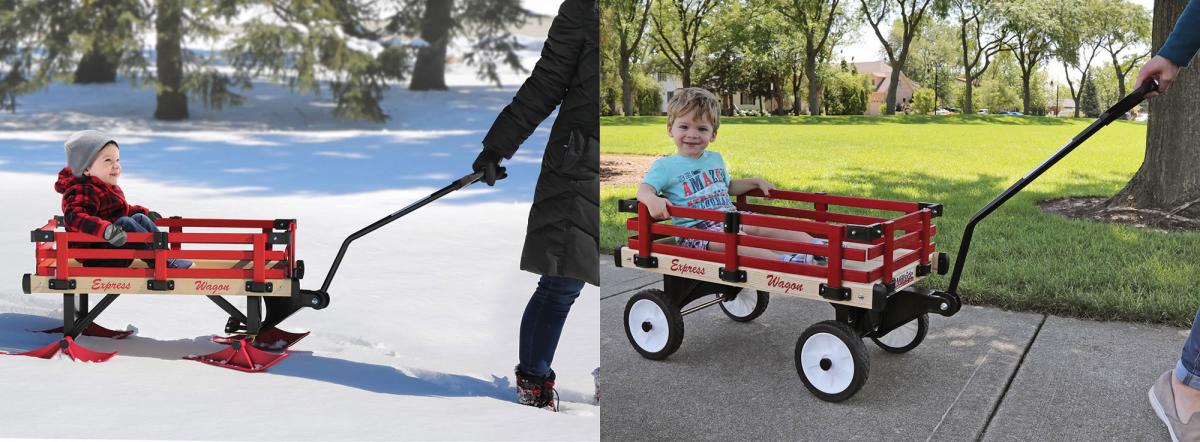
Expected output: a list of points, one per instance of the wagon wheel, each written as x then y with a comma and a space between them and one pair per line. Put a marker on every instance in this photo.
906, 337
653, 326
746, 306
832, 361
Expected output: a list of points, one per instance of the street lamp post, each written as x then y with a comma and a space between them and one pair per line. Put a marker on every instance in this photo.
1057, 104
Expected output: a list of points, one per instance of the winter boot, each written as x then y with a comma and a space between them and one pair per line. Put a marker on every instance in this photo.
537, 391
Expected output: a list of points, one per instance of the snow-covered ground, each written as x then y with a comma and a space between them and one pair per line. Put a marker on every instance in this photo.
419, 340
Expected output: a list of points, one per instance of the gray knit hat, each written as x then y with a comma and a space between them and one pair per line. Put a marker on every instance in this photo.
82, 148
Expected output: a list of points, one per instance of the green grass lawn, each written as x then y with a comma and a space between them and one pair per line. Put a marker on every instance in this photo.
1021, 258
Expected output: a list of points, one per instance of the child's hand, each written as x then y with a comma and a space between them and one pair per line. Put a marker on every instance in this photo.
115, 235
765, 186
657, 207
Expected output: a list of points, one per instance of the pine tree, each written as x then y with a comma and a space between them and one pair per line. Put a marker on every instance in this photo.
485, 24
309, 42
1089, 102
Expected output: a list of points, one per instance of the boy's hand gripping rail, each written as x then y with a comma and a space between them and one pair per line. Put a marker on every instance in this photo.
1110, 115
319, 299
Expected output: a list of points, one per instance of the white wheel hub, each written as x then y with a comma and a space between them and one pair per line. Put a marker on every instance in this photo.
648, 325
901, 336
742, 305
827, 363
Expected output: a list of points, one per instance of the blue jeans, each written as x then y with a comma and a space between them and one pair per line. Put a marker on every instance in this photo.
1188, 368
138, 223
542, 323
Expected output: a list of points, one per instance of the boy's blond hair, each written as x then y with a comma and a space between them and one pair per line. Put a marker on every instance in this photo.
693, 99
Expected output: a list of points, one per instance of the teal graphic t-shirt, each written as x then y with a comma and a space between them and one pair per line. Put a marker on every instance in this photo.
700, 183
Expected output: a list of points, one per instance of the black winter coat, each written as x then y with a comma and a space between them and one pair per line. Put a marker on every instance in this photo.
563, 236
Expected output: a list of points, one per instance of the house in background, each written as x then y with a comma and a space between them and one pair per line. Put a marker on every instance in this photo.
1065, 107
879, 71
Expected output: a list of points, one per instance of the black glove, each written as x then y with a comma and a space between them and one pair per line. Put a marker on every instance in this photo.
154, 216
115, 235
488, 161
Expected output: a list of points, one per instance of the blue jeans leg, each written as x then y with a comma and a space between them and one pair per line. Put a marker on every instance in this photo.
1188, 368
138, 223
542, 323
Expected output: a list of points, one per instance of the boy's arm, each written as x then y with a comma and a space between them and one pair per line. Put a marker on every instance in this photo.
77, 213
131, 209
657, 205
740, 186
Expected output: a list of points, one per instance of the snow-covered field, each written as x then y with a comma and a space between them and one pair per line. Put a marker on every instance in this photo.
419, 340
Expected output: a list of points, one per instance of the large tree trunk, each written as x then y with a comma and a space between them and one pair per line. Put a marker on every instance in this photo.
968, 92
1167, 180
796, 109
814, 83
1026, 76
429, 72
172, 101
1120, 77
95, 67
626, 87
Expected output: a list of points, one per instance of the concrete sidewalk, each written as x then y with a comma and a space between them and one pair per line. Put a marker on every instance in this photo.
983, 374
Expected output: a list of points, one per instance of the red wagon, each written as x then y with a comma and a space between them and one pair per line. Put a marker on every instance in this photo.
871, 263
253, 259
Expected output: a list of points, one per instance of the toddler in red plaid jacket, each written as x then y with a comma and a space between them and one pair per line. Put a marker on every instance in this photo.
92, 202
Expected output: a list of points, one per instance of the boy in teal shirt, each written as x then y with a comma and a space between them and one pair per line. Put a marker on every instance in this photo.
697, 178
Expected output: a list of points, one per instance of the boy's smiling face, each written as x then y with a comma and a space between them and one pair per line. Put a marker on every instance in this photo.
691, 134
107, 166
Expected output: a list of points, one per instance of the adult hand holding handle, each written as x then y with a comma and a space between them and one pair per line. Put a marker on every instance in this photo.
488, 162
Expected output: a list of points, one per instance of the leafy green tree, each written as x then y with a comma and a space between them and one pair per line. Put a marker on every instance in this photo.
982, 35
1030, 22
1126, 34
1076, 38
923, 101
933, 58
911, 13
680, 30
626, 21
847, 93
819, 23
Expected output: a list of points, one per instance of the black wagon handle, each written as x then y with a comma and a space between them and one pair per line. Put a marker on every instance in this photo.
1112, 114
460, 183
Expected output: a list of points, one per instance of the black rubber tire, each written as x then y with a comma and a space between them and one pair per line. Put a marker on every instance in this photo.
858, 357
761, 306
922, 329
670, 318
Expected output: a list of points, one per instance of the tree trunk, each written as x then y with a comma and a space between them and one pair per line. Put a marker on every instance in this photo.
1026, 78
814, 99
796, 95
968, 91
626, 87
1025, 93
95, 67
1120, 77
1167, 180
890, 102
429, 71
172, 101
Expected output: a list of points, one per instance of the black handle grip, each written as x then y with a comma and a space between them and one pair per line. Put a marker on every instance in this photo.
1126, 104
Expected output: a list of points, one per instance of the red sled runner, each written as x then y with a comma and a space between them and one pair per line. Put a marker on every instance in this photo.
256, 260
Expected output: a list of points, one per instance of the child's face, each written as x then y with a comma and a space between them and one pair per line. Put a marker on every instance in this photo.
107, 166
691, 134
